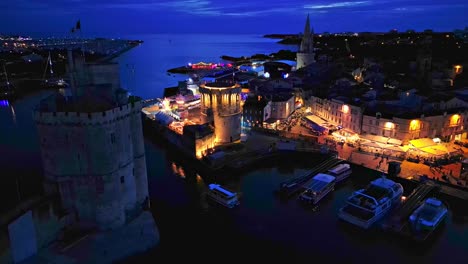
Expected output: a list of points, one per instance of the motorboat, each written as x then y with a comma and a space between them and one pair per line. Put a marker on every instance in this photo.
366, 206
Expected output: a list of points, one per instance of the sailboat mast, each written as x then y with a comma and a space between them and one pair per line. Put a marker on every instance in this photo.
50, 64
6, 76
45, 69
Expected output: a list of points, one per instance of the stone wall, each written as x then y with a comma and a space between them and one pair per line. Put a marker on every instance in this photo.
96, 161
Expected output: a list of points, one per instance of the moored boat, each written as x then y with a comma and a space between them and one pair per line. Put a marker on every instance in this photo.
340, 171
318, 188
428, 216
222, 196
367, 206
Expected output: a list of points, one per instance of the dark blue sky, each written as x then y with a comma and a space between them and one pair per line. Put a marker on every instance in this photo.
123, 17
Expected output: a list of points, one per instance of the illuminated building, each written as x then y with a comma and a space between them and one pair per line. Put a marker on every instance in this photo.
336, 112
198, 139
306, 55
255, 111
282, 105
203, 66
395, 124
220, 104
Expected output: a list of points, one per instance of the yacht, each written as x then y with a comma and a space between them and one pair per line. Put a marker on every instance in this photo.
222, 196
318, 188
366, 206
340, 172
428, 215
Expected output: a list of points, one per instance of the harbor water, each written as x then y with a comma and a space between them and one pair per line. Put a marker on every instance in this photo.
264, 227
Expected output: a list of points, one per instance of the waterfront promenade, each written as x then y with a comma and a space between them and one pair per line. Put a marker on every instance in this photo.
260, 146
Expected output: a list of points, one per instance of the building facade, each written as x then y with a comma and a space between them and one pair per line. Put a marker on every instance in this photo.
255, 111
282, 105
447, 125
338, 113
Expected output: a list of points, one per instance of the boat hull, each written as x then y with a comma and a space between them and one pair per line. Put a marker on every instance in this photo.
229, 204
364, 224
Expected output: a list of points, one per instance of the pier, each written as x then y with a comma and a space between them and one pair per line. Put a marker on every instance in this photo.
290, 187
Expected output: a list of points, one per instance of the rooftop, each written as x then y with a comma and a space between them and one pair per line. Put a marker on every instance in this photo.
87, 103
219, 85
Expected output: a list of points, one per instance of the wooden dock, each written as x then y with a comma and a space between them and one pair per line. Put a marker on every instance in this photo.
292, 186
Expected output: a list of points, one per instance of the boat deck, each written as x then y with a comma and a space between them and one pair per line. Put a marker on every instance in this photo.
376, 192
359, 213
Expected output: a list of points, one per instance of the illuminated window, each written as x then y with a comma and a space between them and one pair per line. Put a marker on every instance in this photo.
414, 125
389, 125
454, 120
345, 109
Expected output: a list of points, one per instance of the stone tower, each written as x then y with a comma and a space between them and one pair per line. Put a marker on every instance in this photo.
221, 103
92, 147
305, 54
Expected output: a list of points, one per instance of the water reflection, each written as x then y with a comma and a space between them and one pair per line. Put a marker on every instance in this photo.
13, 114
178, 170
263, 216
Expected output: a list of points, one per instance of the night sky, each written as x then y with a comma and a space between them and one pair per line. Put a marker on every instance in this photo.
124, 17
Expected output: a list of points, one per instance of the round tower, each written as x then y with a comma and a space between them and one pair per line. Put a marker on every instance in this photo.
223, 100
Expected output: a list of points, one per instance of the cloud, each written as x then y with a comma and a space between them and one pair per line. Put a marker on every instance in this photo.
337, 5
209, 8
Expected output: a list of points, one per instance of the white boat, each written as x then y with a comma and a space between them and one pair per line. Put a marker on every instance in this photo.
366, 206
340, 172
222, 196
320, 186
428, 215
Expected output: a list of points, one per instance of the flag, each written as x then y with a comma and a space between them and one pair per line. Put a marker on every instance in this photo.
78, 25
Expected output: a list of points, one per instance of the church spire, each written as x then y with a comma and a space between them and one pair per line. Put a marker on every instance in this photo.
307, 27
305, 54
307, 44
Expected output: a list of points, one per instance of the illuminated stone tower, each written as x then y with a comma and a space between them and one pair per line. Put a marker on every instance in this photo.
220, 104
92, 147
305, 55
